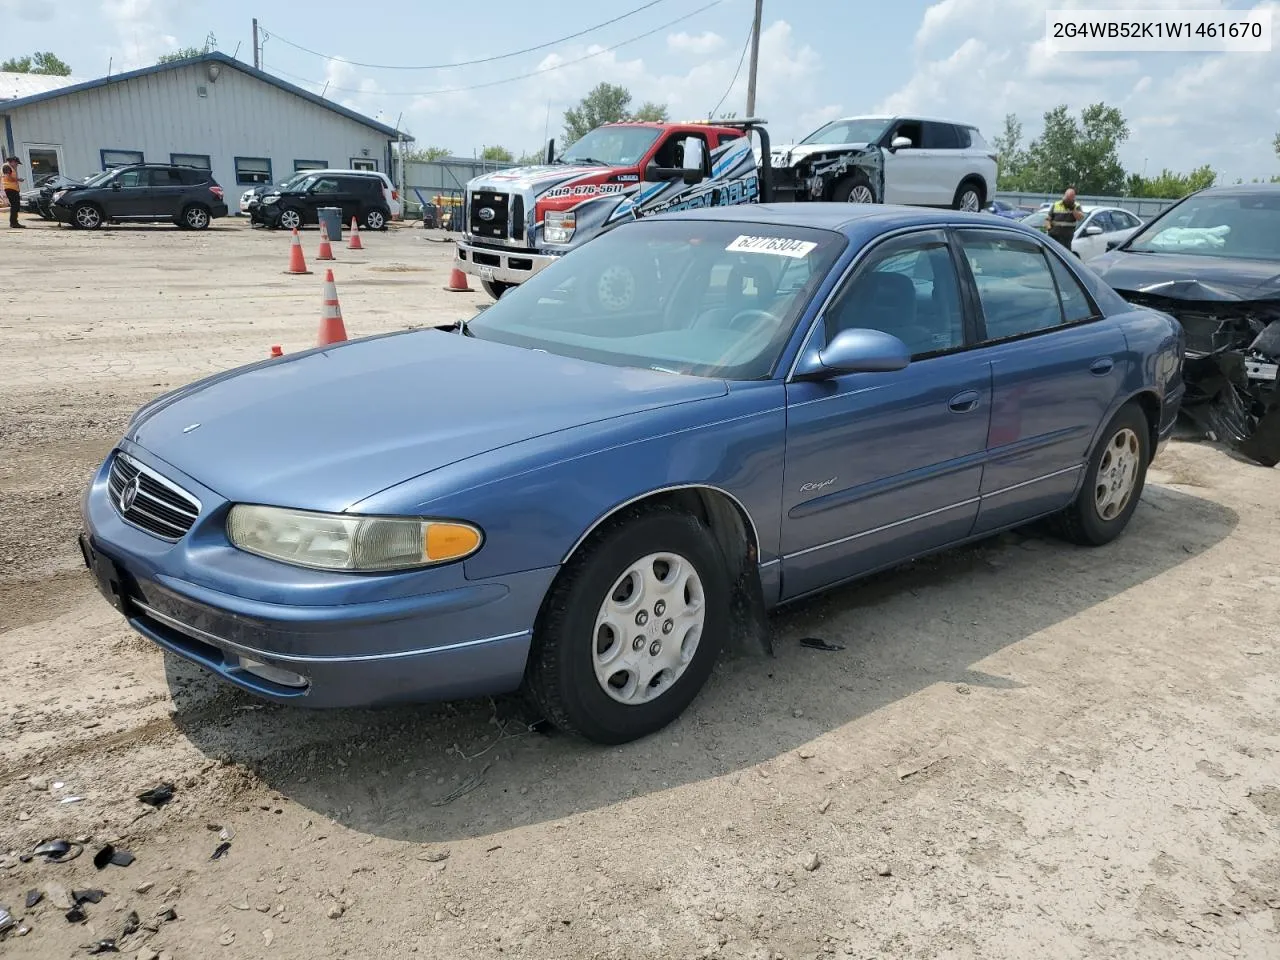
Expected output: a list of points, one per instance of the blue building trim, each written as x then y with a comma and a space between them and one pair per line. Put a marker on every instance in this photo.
102, 155
213, 57
10, 150
235, 167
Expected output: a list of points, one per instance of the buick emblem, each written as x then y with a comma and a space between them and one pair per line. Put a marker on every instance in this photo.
129, 494
486, 214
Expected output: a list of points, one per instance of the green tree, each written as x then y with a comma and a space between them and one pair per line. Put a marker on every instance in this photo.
606, 103
1011, 157
497, 154
1168, 185
186, 53
1083, 152
41, 62
426, 154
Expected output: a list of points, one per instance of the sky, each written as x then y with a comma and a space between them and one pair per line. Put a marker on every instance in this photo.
970, 60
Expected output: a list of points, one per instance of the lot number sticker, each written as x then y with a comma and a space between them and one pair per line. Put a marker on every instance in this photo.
780, 246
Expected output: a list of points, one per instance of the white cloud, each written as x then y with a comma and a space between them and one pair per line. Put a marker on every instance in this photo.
34, 11
142, 30
700, 45
977, 60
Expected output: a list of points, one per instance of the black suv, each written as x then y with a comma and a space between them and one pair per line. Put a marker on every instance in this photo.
296, 204
187, 196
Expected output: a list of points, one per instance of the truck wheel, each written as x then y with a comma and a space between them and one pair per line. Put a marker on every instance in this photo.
855, 188
619, 287
495, 288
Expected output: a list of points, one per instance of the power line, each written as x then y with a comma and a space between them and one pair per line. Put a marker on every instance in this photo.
495, 83
750, 34
470, 63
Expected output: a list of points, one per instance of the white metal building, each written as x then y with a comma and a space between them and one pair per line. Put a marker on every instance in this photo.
212, 111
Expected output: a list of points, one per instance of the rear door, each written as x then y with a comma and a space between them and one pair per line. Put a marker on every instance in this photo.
883, 466
1056, 365
945, 164
167, 191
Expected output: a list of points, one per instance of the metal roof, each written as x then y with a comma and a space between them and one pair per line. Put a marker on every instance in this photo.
212, 57
14, 86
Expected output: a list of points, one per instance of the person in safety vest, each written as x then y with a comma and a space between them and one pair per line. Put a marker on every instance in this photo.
9, 181
1063, 217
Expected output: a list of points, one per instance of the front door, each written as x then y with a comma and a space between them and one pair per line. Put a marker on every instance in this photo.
906, 170
883, 466
42, 160
1057, 366
133, 197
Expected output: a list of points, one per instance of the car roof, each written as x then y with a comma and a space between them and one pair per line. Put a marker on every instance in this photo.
1241, 189
904, 116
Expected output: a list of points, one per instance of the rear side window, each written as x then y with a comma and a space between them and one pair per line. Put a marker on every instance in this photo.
1015, 284
964, 137
193, 178
976, 140
166, 177
940, 136
1077, 305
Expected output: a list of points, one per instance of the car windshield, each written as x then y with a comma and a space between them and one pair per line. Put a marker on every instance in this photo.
864, 130
705, 298
1035, 219
1242, 225
100, 178
614, 146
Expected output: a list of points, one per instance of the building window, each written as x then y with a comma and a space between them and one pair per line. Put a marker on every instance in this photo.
251, 170
119, 158
363, 163
299, 165
201, 161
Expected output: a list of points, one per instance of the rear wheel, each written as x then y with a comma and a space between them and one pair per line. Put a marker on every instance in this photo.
968, 197
632, 627
195, 217
1113, 482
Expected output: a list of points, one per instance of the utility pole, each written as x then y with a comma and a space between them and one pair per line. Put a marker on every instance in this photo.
257, 62
755, 58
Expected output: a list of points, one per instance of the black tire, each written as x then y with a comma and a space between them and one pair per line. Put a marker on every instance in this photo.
297, 219
561, 677
495, 288
1082, 522
974, 192
194, 217
619, 287
375, 218
87, 216
854, 183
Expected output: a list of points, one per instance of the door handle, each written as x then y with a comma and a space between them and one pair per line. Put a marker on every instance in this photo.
964, 402
1102, 366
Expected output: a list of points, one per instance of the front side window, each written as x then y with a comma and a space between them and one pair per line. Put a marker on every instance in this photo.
325, 185
909, 289
1016, 285
1224, 225
132, 178
702, 298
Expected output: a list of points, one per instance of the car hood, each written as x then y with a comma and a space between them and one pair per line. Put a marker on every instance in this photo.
795, 152
330, 427
1177, 276
539, 178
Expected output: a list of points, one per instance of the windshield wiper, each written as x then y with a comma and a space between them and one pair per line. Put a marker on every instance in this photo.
599, 163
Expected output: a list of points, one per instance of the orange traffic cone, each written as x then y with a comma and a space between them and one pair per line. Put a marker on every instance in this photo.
331, 327
458, 282
296, 263
276, 351
354, 243
326, 249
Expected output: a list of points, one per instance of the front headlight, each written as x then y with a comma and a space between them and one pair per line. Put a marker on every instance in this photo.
558, 226
59, 194
335, 541
270, 199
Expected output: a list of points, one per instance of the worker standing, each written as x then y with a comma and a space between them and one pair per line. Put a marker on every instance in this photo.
1063, 217
9, 182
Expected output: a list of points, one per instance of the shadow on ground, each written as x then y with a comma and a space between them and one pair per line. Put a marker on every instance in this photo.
392, 772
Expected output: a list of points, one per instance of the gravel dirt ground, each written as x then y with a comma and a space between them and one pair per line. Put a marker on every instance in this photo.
1023, 748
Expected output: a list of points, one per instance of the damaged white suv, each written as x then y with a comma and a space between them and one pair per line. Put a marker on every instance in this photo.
911, 160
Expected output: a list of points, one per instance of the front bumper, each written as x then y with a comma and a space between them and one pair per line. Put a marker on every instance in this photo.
500, 264
342, 640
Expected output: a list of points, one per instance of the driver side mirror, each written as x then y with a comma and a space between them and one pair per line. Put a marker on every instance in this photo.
900, 143
549, 151
1113, 243
854, 351
694, 169
1093, 230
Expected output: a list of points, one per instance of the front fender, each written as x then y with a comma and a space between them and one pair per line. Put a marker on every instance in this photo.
536, 500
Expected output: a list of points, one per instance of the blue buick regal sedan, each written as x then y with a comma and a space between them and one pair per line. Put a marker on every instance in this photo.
589, 488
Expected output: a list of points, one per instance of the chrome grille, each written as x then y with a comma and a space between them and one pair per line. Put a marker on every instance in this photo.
148, 501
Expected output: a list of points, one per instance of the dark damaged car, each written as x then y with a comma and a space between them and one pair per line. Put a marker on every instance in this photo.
1213, 262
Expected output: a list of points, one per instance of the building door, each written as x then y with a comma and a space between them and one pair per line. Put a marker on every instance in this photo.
42, 160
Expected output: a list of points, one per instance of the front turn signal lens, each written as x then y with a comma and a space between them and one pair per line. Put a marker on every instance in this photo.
449, 541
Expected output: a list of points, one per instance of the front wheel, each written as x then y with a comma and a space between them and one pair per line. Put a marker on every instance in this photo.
632, 627
375, 220
291, 218
855, 188
1113, 482
87, 217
